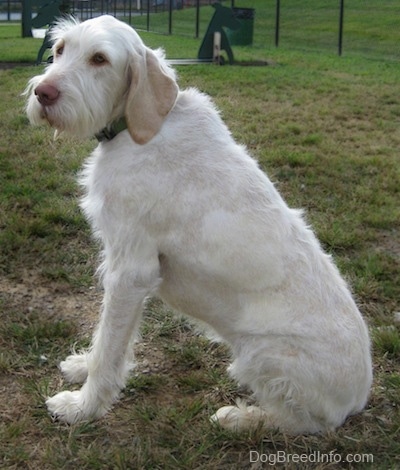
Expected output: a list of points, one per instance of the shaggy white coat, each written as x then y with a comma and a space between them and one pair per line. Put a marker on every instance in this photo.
184, 213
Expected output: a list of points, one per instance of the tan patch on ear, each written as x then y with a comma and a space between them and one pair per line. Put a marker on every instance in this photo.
151, 97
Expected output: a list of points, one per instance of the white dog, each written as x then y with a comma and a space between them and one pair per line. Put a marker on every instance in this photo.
183, 212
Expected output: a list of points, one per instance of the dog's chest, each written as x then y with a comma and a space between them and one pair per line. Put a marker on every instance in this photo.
119, 192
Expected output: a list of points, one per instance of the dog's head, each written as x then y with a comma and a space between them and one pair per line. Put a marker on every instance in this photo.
102, 71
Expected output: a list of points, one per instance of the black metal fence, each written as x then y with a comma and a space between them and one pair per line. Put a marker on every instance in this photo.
10, 10
336, 26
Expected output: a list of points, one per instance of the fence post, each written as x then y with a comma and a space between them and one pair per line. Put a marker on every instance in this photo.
26, 19
197, 18
277, 20
170, 17
130, 12
341, 26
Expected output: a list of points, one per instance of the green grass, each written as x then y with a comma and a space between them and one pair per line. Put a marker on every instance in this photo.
14, 48
326, 131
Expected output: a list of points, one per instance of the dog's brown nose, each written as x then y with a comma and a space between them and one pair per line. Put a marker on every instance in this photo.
47, 94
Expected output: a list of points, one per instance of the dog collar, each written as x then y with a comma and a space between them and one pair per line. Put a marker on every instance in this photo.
111, 131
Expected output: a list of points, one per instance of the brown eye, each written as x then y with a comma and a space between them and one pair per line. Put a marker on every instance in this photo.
98, 59
59, 50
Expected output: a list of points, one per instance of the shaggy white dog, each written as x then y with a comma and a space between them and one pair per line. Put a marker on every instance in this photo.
183, 212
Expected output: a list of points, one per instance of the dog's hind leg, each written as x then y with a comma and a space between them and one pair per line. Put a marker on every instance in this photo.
298, 393
243, 417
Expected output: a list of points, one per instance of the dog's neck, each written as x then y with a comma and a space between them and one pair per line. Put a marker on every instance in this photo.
112, 130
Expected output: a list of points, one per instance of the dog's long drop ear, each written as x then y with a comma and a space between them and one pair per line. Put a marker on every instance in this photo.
151, 97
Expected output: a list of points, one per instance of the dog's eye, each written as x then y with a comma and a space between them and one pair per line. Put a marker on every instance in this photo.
59, 50
98, 59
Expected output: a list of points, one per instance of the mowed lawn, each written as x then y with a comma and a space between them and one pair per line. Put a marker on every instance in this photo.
326, 130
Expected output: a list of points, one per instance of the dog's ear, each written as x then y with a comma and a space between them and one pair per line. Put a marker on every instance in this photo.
151, 97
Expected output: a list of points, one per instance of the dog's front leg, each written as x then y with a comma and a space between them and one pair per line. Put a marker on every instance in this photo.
107, 361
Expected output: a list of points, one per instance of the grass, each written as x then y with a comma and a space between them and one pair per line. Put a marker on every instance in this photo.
325, 130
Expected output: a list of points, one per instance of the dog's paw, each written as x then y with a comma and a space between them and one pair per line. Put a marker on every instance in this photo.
74, 368
228, 417
66, 406
238, 418
71, 407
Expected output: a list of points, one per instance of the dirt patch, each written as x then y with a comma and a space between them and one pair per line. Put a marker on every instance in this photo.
57, 301
390, 242
29, 294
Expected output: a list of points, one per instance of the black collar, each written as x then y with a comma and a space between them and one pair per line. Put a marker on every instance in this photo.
112, 130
